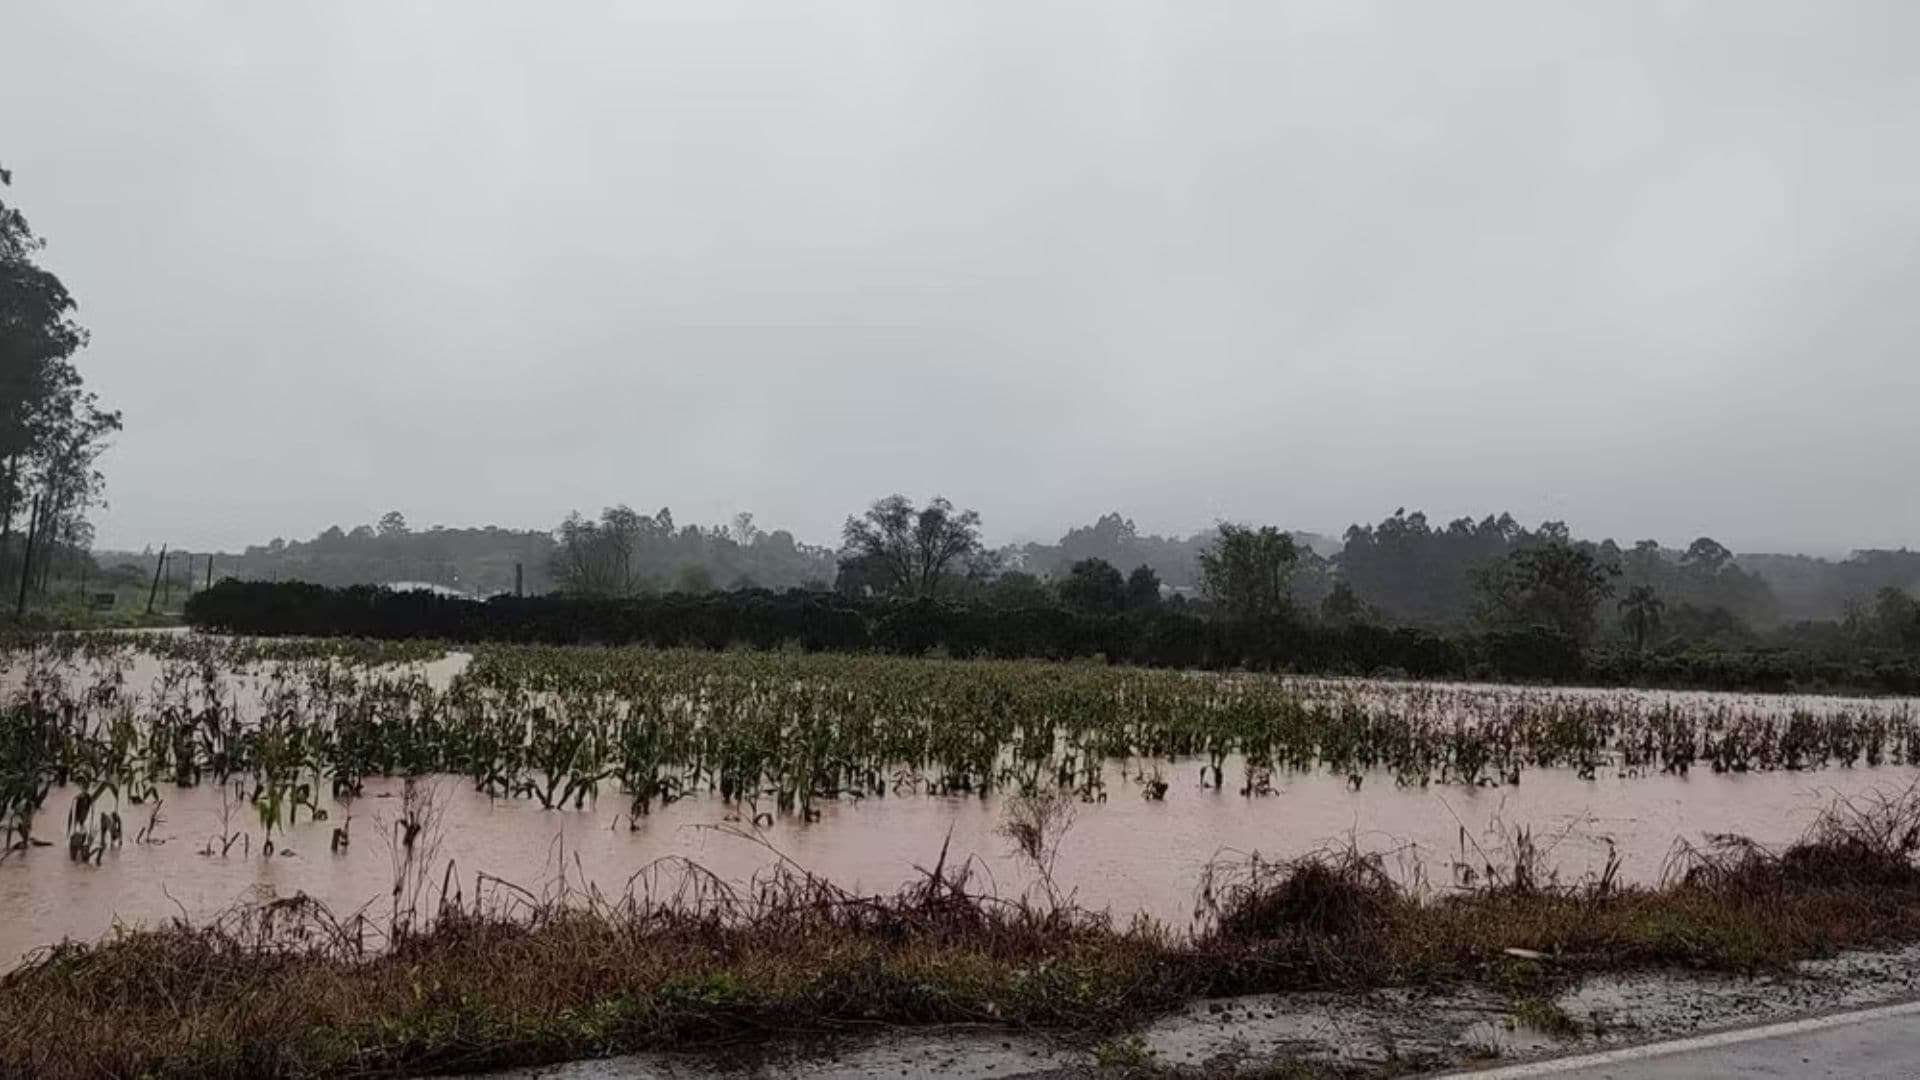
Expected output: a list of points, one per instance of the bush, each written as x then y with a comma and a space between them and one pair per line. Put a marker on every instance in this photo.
1163, 637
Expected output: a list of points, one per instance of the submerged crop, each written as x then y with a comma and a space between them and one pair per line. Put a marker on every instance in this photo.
471, 976
297, 727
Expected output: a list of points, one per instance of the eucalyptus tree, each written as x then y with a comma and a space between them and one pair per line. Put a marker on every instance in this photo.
1640, 610
52, 429
598, 558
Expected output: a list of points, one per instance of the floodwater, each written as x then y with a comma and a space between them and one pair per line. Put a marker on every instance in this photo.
1127, 855
143, 673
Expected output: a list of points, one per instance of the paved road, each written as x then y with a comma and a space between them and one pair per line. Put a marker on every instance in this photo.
1872, 1044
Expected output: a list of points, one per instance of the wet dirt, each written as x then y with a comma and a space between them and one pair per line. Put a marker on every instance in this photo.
1389, 1033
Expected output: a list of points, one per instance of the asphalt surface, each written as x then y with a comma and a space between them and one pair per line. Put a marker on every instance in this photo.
1872, 1044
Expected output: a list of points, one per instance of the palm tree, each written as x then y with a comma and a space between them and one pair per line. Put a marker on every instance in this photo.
1641, 610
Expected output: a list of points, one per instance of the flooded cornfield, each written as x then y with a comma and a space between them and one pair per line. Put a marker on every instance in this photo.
156, 777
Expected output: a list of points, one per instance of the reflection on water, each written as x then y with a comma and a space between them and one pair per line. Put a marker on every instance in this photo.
1127, 854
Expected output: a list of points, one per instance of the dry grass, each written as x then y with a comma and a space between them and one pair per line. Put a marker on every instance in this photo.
503, 976
499, 976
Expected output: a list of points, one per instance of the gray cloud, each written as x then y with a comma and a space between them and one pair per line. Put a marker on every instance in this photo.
1645, 266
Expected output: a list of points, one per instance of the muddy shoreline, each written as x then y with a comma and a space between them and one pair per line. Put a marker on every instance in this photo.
1393, 1032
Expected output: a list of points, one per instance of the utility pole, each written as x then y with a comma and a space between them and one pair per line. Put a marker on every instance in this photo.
209, 570
519, 579
154, 589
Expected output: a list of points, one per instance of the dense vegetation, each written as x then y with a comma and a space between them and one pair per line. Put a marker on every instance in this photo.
621, 552
52, 428
1101, 590
1160, 635
782, 732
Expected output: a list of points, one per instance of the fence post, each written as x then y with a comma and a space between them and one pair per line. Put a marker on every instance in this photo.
154, 589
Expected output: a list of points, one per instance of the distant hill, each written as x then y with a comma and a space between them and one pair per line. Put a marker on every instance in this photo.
1808, 588
474, 561
483, 561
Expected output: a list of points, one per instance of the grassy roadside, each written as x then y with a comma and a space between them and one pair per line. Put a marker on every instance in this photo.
506, 978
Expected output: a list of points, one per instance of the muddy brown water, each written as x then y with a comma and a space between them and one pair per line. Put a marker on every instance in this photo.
1127, 855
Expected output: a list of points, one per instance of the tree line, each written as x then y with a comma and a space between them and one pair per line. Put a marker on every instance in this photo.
1165, 635
1466, 576
1539, 604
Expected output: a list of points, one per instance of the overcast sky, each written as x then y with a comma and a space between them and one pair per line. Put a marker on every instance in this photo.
1653, 268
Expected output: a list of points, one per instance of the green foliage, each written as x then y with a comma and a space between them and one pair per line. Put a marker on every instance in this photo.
1640, 611
52, 429
1553, 584
1545, 1016
478, 561
1412, 572
693, 578
1017, 589
1115, 539
1248, 572
1343, 607
1094, 585
1704, 577
1896, 619
1172, 635
1143, 589
780, 732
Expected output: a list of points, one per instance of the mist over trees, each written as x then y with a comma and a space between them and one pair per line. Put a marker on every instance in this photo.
480, 561
624, 553
1806, 588
1114, 539
1550, 583
1486, 575
52, 429
619, 553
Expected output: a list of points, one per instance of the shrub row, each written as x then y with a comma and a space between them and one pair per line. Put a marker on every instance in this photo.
1168, 637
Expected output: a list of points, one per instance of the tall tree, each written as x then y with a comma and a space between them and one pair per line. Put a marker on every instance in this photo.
1094, 585
1248, 571
52, 429
1411, 571
1705, 556
1343, 607
1640, 610
1143, 588
1556, 584
596, 558
903, 551
1896, 618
